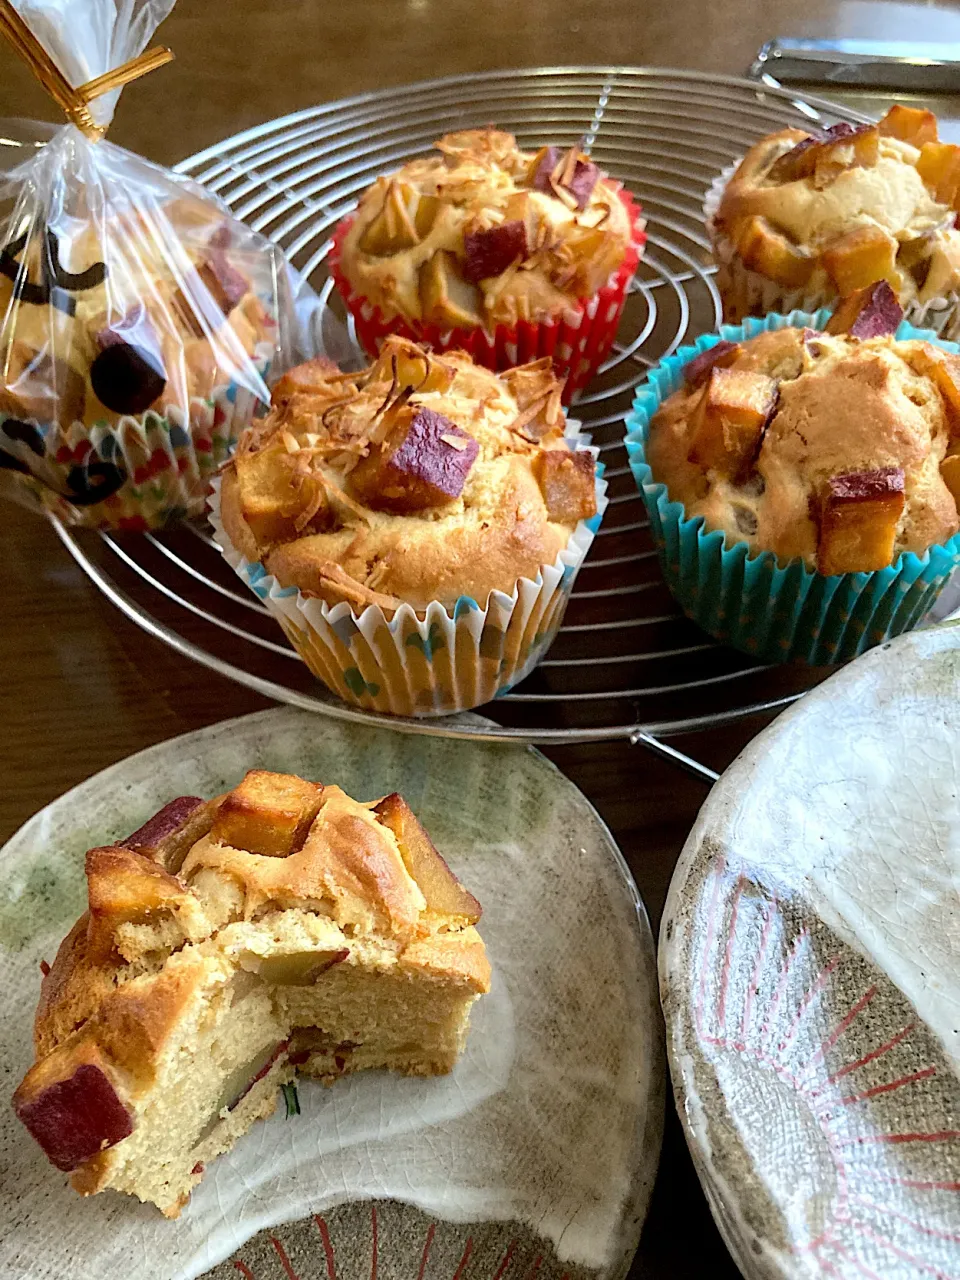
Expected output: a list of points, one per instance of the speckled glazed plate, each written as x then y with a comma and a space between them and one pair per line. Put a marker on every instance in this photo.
535, 1156
810, 978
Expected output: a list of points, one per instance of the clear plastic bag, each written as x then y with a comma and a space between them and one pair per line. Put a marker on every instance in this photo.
139, 320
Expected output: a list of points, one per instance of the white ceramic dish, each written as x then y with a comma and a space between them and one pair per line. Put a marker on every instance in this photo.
544, 1140
810, 978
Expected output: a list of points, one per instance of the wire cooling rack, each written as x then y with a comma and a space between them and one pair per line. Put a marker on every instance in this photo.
626, 663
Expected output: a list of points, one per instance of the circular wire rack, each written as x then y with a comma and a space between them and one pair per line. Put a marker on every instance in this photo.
626, 663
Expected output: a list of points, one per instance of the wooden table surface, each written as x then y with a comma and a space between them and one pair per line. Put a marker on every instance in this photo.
84, 687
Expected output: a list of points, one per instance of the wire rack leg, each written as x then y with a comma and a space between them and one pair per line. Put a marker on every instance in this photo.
676, 757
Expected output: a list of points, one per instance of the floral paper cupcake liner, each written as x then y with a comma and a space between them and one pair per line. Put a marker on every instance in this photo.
775, 612
577, 342
745, 292
429, 664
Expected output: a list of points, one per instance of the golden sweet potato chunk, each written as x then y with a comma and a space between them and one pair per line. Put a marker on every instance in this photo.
768, 251
858, 521
909, 124
268, 813
944, 368
939, 167
730, 418
567, 480
860, 257
124, 885
950, 473
272, 494
440, 887
445, 297
867, 313
856, 148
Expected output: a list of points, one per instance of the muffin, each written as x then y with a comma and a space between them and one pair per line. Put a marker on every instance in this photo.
807, 217
132, 353
509, 255
229, 944
415, 528
802, 475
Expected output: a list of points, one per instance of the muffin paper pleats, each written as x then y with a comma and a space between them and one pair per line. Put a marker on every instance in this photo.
578, 341
775, 612
745, 292
430, 665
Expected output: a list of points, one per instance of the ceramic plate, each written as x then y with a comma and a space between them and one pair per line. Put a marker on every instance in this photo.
810, 977
536, 1155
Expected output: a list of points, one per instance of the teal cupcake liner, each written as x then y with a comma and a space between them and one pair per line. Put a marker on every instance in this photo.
775, 612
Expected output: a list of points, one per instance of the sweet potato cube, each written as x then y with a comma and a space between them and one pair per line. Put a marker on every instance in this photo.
789, 166
272, 494
424, 464
730, 419
71, 1108
269, 814
567, 480
124, 885
844, 147
445, 297
576, 175
440, 887
939, 167
858, 521
861, 257
950, 473
490, 252
909, 124
167, 837
722, 354
871, 312
944, 367
772, 254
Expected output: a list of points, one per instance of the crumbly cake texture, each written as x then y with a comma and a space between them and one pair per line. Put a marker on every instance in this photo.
835, 450
423, 478
484, 234
167, 312
830, 213
228, 945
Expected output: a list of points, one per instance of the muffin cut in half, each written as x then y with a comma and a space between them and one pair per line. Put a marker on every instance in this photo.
228, 945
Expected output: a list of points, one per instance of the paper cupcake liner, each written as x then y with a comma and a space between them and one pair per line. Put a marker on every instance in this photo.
578, 341
137, 474
430, 665
775, 612
745, 292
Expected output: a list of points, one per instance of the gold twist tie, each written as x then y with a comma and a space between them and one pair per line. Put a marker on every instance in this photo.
75, 103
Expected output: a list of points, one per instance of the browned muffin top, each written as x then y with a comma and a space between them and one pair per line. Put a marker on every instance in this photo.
422, 478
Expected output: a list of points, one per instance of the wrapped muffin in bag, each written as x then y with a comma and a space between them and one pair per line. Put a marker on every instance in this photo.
138, 319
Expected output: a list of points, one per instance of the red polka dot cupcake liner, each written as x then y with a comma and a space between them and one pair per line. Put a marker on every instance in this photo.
578, 341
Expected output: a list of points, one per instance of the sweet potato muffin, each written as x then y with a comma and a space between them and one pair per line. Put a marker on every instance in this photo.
828, 213
510, 255
228, 944
482, 233
423, 478
839, 449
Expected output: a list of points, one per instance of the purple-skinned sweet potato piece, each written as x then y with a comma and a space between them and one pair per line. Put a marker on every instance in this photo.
858, 523
580, 183
424, 466
76, 1117
721, 354
490, 252
169, 834
871, 312
544, 163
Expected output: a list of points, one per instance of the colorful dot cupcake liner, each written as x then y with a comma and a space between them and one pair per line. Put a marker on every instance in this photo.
577, 342
431, 663
748, 293
775, 612
140, 473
